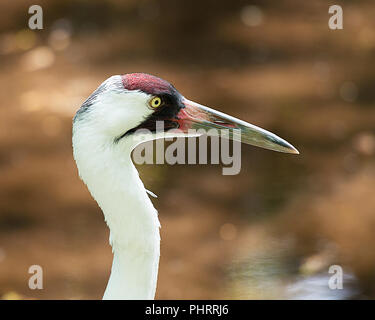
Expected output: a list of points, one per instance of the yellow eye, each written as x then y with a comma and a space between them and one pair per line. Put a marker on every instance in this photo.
155, 102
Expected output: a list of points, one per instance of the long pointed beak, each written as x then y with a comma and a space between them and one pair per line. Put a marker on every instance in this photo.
196, 116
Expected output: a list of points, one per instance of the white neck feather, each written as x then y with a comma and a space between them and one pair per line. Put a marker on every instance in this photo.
114, 182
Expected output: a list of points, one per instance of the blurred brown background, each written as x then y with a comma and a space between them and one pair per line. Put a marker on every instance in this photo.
270, 232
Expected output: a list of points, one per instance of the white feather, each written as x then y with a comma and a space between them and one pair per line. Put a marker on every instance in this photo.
113, 181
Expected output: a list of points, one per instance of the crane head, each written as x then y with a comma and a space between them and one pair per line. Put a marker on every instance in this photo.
129, 105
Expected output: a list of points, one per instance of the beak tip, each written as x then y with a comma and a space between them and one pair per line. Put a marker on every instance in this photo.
293, 150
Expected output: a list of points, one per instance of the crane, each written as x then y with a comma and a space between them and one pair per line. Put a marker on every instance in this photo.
105, 131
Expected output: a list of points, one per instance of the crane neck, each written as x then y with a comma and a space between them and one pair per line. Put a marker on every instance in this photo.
114, 183
135, 239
